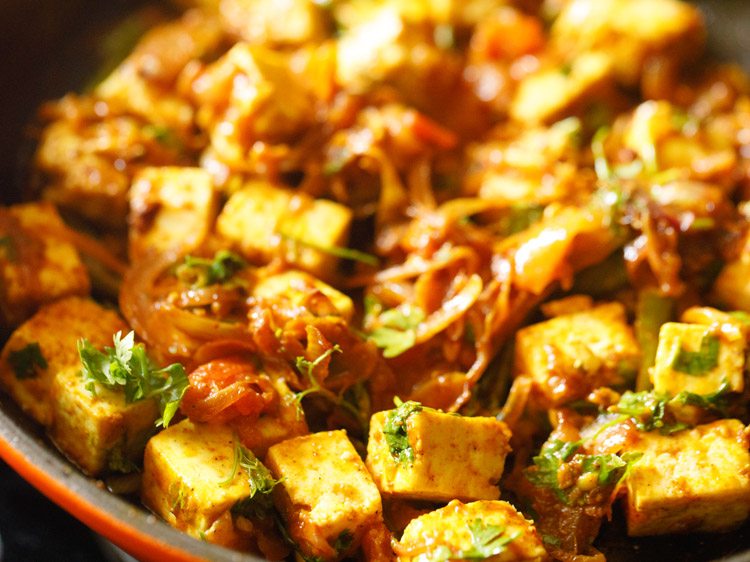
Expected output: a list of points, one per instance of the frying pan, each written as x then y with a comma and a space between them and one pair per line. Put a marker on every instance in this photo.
49, 48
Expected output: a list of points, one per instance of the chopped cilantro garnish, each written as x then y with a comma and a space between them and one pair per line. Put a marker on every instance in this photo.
609, 469
395, 430
126, 365
259, 503
27, 361
201, 272
307, 368
698, 363
396, 330
486, 541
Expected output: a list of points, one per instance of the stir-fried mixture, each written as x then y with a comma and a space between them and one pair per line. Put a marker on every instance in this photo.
379, 280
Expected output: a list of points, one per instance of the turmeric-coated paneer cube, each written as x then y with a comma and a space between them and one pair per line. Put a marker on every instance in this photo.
553, 93
326, 496
274, 23
170, 207
267, 221
419, 453
570, 355
298, 288
46, 344
630, 32
699, 358
458, 531
100, 431
38, 264
696, 480
192, 479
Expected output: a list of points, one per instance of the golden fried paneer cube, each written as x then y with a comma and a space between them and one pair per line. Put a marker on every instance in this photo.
89, 153
249, 100
267, 221
629, 32
732, 286
699, 358
274, 23
143, 84
371, 49
483, 530
39, 264
696, 480
302, 289
46, 344
190, 480
553, 93
420, 453
170, 207
570, 355
99, 432
326, 496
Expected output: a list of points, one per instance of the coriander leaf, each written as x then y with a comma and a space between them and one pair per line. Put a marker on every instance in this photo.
715, 401
336, 251
698, 363
487, 540
395, 430
202, 272
547, 463
259, 503
127, 366
648, 411
27, 361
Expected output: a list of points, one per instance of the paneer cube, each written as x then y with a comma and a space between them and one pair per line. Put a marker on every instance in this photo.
699, 358
187, 480
249, 100
441, 457
570, 355
143, 84
170, 207
372, 49
273, 23
696, 480
451, 533
732, 286
38, 265
302, 289
46, 344
326, 495
265, 221
553, 93
630, 31
99, 432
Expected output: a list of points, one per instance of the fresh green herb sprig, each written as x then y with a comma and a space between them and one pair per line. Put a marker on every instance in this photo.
395, 432
127, 366
202, 272
27, 361
259, 504
651, 411
396, 327
609, 469
352, 401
